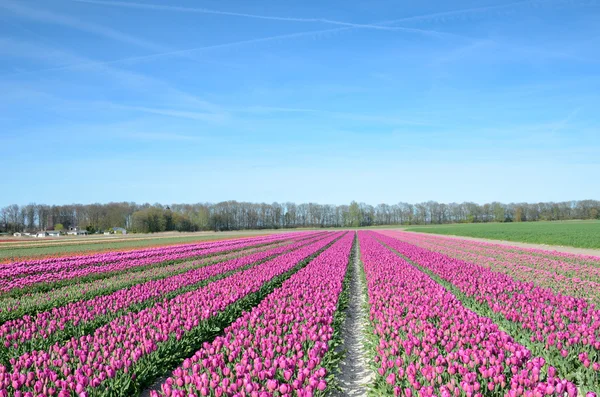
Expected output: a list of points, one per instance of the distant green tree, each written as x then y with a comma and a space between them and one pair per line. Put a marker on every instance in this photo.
169, 222
149, 220
59, 227
499, 215
519, 217
354, 215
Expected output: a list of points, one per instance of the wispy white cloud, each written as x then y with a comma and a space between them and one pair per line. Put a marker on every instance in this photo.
140, 42
273, 109
460, 52
186, 114
161, 51
448, 15
565, 122
177, 103
161, 7
44, 16
381, 119
188, 51
82, 63
549, 51
351, 25
161, 136
181, 103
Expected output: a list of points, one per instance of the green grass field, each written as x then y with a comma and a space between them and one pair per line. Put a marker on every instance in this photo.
581, 234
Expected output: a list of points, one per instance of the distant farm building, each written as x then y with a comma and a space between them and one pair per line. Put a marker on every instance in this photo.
119, 230
17, 234
48, 233
75, 231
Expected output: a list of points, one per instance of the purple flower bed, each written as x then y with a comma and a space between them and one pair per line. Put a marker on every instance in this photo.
125, 350
277, 349
427, 343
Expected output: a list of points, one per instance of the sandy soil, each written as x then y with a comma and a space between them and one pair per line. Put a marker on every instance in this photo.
355, 375
558, 248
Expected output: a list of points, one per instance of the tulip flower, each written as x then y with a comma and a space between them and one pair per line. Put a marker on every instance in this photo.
442, 343
44, 325
108, 354
292, 316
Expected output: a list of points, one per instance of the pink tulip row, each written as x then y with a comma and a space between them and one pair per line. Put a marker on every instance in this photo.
12, 307
430, 344
484, 246
19, 277
562, 328
567, 277
277, 348
34, 266
108, 357
568, 264
46, 324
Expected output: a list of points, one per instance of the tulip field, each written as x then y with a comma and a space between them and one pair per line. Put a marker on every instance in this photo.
264, 316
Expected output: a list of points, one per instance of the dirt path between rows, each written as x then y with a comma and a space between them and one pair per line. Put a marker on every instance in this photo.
354, 374
546, 247
155, 386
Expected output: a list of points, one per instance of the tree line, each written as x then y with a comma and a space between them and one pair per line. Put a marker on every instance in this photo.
234, 215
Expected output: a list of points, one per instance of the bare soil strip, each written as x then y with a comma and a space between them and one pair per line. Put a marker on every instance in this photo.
354, 375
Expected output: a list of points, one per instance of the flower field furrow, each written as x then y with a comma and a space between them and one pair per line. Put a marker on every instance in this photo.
427, 343
15, 307
563, 329
12, 308
565, 277
107, 257
566, 266
41, 265
277, 348
41, 330
557, 260
18, 276
123, 354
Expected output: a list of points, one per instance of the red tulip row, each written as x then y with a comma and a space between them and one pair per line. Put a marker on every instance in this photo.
563, 329
123, 354
427, 343
277, 349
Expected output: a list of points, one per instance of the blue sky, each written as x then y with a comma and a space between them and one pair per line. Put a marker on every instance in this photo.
368, 100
